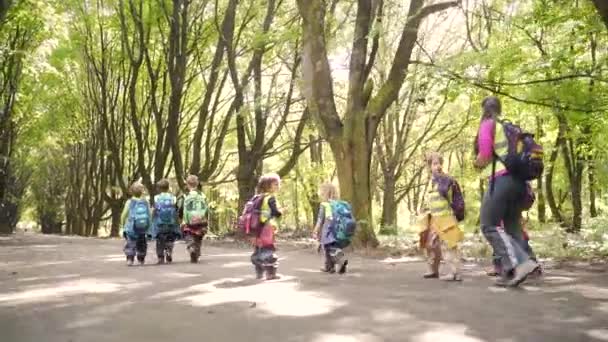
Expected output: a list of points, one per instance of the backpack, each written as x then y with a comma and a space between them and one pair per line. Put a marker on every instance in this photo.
139, 214
457, 201
195, 209
343, 223
164, 210
524, 158
249, 223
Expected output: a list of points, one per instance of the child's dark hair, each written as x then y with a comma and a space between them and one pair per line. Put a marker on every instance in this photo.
163, 185
434, 156
491, 107
266, 181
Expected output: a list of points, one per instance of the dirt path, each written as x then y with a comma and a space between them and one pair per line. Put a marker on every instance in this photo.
72, 289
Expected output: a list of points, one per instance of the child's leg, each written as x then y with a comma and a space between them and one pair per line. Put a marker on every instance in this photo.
130, 250
270, 263
330, 266
169, 242
433, 252
141, 248
452, 259
160, 247
255, 260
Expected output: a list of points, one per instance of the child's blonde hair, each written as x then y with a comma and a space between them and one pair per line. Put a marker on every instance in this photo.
328, 191
137, 189
266, 181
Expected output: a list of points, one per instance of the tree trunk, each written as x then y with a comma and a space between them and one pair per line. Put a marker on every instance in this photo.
602, 9
116, 208
542, 207
389, 202
592, 195
353, 163
553, 206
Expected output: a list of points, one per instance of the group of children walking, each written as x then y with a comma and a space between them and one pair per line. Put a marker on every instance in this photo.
515, 158
169, 219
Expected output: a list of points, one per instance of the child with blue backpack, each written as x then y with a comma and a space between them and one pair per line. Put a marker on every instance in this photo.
193, 210
332, 214
137, 224
165, 227
440, 234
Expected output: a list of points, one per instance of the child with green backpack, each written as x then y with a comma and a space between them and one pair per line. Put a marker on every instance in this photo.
334, 229
193, 210
165, 227
137, 224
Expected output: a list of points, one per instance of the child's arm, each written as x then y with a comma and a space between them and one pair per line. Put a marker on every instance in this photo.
320, 222
125, 213
274, 210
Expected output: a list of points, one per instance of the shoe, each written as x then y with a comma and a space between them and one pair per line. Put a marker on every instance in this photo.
342, 269
129, 261
492, 272
329, 270
521, 272
502, 281
168, 257
161, 260
451, 277
271, 273
431, 275
141, 260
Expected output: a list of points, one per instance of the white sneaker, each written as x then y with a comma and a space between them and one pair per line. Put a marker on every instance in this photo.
521, 272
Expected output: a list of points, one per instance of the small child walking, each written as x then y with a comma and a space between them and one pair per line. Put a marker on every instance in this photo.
137, 224
164, 218
334, 255
264, 258
193, 210
440, 234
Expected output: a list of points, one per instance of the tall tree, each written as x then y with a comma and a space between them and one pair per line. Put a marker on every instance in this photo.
351, 136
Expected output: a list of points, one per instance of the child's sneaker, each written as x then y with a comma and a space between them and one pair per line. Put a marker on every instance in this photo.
342, 269
451, 277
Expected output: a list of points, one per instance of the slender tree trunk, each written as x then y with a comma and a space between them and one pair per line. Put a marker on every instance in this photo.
553, 205
592, 183
389, 202
541, 205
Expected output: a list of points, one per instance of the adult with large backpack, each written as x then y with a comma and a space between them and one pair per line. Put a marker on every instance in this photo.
164, 222
137, 223
334, 229
515, 158
193, 211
